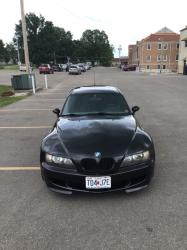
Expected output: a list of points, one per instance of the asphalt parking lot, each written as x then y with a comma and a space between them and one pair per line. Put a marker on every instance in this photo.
32, 217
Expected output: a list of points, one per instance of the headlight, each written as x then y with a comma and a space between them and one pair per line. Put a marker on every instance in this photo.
135, 159
64, 162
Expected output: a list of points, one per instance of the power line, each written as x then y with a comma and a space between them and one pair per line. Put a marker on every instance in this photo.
80, 17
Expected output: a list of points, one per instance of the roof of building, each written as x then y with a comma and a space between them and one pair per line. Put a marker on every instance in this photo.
165, 33
122, 58
184, 28
166, 37
115, 60
165, 30
94, 89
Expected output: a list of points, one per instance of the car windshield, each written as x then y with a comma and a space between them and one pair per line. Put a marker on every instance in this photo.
98, 103
74, 67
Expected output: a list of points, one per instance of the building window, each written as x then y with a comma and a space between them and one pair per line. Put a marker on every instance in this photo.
159, 46
177, 45
165, 46
164, 57
177, 57
185, 43
149, 46
164, 66
148, 66
148, 58
158, 66
159, 58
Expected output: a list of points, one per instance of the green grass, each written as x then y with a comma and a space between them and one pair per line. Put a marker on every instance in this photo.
8, 100
10, 69
4, 88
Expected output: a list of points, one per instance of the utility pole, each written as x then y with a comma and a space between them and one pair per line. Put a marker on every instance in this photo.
119, 52
24, 36
18, 53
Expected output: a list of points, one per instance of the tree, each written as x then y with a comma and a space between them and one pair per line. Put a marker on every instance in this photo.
10, 53
2, 51
45, 41
96, 47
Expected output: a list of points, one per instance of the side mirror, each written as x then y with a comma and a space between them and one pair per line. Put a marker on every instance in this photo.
56, 111
135, 109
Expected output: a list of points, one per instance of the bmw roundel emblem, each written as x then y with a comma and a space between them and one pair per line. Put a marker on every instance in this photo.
97, 154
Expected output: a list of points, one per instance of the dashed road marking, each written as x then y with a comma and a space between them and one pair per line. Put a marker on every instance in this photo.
19, 168
37, 99
60, 83
5, 110
25, 127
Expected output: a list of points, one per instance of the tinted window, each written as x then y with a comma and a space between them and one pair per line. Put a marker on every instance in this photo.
94, 103
44, 65
74, 67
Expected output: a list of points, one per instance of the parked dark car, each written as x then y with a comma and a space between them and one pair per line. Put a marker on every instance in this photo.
57, 67
97, 145
46, 69
129, 67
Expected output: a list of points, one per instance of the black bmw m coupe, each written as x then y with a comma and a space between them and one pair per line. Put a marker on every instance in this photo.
97, 145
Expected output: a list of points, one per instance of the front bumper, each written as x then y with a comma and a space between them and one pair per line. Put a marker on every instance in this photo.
66, 181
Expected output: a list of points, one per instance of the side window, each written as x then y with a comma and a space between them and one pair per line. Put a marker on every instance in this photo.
148, 58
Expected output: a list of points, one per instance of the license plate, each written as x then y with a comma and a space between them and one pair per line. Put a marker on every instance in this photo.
98, 182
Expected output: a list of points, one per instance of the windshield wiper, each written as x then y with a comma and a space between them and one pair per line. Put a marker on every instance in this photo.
100, 113
72, 115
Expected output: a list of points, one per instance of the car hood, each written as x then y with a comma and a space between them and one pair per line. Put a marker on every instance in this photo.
84, 136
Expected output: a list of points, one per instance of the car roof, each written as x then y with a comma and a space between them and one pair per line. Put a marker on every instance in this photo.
95, 89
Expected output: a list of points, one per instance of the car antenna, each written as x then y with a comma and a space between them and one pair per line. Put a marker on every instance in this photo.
94, 78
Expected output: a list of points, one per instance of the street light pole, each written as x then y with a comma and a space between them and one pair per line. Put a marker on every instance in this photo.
119, 52
24, 36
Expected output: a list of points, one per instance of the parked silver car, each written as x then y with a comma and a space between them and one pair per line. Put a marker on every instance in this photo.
82, 67
74, 69
64, 66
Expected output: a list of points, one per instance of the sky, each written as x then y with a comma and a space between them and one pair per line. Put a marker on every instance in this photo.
125, 22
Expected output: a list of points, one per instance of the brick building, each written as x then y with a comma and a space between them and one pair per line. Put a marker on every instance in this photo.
158, 51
